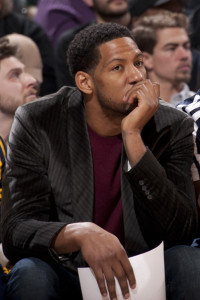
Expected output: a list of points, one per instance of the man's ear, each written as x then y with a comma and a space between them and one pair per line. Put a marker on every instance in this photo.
84, 82
147, 61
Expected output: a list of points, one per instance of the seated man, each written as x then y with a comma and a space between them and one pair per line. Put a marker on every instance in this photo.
95, 174
2, 162
2, 258
16, 86
191, 106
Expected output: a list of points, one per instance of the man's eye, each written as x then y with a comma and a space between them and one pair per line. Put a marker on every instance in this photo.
139, 63
116, 68
15, 75
171, 49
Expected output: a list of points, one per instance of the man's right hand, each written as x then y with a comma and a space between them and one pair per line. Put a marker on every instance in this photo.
103, 253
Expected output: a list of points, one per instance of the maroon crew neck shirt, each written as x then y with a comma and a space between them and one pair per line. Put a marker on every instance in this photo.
106, 154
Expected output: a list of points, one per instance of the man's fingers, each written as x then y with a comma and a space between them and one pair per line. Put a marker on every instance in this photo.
129, 273
123, 281
156, 88
123, 273
110, 280
108, 276
101, 282
150, 89
108, 259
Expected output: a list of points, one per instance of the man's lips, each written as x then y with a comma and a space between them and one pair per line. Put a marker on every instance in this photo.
184, 68
31, 95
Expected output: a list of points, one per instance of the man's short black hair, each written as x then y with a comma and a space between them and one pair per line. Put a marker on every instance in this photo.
83, 53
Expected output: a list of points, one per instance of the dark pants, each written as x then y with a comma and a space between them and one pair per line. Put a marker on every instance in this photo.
182, 273
33, 279
2, 283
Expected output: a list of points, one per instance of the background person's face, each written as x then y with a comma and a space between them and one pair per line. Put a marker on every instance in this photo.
111, 8
16, 86
172, 57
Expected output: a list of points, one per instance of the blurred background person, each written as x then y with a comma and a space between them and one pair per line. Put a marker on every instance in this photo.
29, 54
26, 7
191, 6
165, 43
57, 16
2, 165
105, 11
164, 40
11, 22
195, 28
140, 8
3, 259
16, 86
191, 106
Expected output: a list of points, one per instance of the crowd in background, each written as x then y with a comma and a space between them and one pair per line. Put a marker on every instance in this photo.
61, 19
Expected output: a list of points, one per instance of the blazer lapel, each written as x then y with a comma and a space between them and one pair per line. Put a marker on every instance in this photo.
80, 160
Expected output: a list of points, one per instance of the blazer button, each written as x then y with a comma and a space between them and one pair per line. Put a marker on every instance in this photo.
141, 182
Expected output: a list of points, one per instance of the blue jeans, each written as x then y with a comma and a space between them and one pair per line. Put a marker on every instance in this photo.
182, 272
34, 279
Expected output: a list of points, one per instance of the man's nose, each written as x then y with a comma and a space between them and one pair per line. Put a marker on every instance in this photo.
182, 52
29, 80
135, 75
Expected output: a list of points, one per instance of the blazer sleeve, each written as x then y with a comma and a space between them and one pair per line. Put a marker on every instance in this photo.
163, 189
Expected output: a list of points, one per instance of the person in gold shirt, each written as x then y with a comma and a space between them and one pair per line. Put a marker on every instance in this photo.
2, 165
2, 162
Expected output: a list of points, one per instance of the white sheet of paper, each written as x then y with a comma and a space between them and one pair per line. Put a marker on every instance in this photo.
150, 278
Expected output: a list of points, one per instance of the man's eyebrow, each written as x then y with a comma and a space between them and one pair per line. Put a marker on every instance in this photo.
175, 44
15, 70
140, 54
